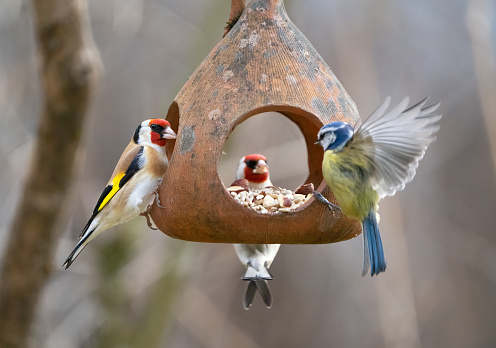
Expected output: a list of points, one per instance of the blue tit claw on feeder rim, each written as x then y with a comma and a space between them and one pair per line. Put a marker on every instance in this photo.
264, 63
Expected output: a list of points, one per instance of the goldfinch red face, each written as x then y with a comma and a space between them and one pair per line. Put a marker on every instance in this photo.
155, 131
253, 168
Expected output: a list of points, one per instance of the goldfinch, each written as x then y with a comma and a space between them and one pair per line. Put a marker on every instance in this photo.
133, 186
364, 165
256, 257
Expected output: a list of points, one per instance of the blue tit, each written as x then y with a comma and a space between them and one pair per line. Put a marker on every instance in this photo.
377, 159
257, 258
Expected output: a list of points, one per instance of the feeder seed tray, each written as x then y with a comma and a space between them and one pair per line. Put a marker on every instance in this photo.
271, 199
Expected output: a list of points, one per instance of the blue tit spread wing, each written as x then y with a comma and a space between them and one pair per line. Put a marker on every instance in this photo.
395, 141
129, 164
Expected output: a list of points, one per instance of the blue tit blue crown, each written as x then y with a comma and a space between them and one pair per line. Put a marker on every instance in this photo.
335, 135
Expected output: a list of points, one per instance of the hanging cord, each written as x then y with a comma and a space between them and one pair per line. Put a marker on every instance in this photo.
237, 7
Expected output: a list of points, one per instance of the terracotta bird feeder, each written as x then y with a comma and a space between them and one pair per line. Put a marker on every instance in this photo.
264, 63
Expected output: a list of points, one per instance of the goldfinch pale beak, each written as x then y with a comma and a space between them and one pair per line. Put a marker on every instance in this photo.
168, 133
261, 167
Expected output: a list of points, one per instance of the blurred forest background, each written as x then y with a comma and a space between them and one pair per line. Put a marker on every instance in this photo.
134, 287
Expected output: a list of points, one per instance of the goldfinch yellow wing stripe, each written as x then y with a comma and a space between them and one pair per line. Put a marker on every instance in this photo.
118, 180
115, 187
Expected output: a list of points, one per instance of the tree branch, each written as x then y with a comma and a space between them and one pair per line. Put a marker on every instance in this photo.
70, 65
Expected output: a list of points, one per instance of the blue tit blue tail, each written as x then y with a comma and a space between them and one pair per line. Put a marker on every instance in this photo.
373, 253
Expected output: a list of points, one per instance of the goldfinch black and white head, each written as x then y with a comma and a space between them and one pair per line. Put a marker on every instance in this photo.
154, 132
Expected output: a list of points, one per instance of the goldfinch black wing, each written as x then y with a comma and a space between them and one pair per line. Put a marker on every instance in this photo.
129, 164
395, 142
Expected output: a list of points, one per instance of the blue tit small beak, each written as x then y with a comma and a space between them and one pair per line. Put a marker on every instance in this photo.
317, 142
168, 133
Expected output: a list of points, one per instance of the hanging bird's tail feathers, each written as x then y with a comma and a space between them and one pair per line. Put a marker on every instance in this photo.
373, 252
251, 290
263, 288
257, 280
79, 247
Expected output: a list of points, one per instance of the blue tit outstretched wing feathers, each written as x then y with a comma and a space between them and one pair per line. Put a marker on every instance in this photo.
395, 142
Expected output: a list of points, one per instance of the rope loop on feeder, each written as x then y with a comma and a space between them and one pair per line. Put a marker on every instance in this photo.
237, 7
264, 63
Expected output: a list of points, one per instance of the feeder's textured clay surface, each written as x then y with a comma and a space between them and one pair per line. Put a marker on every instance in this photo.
263, 64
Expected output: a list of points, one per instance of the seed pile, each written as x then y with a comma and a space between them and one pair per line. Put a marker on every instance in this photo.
270, 199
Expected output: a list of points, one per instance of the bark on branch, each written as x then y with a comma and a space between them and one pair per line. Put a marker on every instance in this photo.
70, 65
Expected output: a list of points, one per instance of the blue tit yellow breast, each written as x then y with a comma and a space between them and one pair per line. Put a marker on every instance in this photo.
347, 173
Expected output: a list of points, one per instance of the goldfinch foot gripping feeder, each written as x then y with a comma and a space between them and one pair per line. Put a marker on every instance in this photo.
264, 63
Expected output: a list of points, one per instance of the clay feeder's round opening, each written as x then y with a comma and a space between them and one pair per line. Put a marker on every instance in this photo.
264, 64
273, 135
269, 133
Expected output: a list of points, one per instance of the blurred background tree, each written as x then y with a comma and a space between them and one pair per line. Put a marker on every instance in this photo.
137, 287
69, 66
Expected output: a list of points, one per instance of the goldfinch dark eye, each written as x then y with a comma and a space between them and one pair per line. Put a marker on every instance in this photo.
251, 164
154, 127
